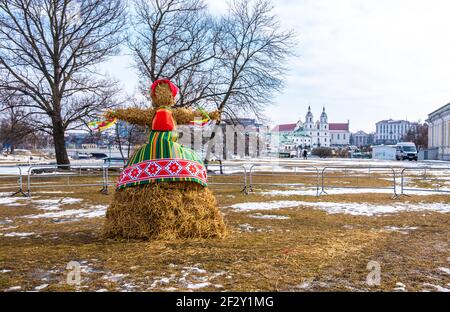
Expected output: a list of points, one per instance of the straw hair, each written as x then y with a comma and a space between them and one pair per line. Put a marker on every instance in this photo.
164, 211
163, 96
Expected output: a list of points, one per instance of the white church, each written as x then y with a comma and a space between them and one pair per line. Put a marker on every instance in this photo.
319, 133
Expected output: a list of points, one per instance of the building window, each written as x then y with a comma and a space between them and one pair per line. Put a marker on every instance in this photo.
338, 136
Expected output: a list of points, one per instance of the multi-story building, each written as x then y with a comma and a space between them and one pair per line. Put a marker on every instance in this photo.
361, 139
320, 133
340, 134
392, 131
439, 132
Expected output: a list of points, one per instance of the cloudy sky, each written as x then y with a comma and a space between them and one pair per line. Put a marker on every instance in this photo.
364, 60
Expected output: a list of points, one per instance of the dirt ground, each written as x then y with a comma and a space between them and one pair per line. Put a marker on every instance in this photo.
298, 248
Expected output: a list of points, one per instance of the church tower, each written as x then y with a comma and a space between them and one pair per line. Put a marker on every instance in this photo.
324, 121
309, 120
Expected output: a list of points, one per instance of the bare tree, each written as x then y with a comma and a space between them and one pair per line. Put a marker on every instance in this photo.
48, 53
234, 62
418, 135
175, 39
14, 128
250, 61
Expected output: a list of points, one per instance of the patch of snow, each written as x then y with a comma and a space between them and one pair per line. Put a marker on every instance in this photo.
170, 289
347, 208
40, 287
273, 217
6, 221
194, 270
265, 205
445, 270
402, 230
197, 285
16, 234
96, 211
437, 287
11, 201
14, 288
246, 227
161, 281
5, 271
102, 290
341, 191
55, 204
400, 287
114, 277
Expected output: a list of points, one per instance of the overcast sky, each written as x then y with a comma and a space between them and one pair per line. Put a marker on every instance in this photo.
364, 60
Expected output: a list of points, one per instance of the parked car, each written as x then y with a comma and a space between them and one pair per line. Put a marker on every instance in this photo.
98, 155
406, 150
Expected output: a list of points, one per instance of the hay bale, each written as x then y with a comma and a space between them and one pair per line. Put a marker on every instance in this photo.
164, 211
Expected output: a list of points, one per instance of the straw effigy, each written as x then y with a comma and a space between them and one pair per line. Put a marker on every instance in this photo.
161, 205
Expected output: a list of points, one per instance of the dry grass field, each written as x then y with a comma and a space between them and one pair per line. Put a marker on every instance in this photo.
281, 237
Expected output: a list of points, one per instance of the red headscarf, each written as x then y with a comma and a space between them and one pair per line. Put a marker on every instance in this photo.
172, 87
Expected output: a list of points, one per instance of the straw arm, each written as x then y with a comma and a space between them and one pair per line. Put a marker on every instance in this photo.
133, 115
184, 116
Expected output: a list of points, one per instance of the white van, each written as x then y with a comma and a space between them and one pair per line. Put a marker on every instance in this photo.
406, 150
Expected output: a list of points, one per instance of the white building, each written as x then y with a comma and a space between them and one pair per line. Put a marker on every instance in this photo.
439, 131
340, 134
361, 139
319, 133
392, 131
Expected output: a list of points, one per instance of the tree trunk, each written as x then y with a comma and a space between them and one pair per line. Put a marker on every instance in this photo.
210, 143
60, 143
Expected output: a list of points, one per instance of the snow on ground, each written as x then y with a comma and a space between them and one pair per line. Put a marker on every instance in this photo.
265, 205
55, 204
17, 234
343, 191
192, 278
11, 201
445, 270
14, 288
90, 212
346, 208
436, 287
402, 230
273, 217
400, 287
40, 287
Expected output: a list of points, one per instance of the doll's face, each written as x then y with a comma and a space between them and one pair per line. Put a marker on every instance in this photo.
163, 96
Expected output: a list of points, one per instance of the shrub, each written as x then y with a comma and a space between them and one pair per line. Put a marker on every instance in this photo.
322, 152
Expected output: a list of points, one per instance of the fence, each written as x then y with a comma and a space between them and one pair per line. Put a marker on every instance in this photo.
244, 176
375, 175
293, 175
436, 180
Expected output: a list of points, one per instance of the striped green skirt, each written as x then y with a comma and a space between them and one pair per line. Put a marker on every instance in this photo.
162, 160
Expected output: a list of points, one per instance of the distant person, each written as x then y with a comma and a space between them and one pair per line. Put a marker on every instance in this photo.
305, 154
